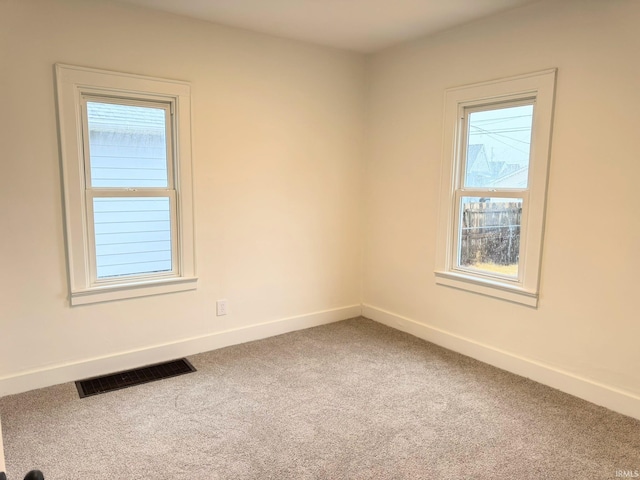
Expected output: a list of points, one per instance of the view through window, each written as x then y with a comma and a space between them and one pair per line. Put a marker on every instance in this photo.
128, 155
498, 144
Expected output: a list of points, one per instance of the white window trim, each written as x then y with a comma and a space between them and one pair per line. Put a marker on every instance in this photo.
72, 83
525, 289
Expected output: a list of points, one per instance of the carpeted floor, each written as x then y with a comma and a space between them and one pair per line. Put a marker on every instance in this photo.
350, 400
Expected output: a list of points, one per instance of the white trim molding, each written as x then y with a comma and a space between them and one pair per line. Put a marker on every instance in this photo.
75, 86
618, 400
73, 371
535, 90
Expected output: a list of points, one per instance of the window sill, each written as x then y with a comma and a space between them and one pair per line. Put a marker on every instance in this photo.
132, 290
487, 287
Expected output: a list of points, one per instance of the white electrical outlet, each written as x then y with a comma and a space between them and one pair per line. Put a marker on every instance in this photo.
221, 307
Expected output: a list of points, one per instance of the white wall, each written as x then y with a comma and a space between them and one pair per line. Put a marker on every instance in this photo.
586, 329
278, 156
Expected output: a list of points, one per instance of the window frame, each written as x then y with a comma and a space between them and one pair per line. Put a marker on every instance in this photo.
460, 190
537, 88
92, 192
74, 86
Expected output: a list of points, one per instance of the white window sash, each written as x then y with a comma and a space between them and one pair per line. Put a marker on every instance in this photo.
91, 194
152, 102
457, 236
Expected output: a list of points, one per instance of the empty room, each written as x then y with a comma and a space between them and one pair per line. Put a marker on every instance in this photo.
354, 239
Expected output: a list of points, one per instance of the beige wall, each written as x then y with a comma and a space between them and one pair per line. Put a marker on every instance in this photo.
587, 324
277, 149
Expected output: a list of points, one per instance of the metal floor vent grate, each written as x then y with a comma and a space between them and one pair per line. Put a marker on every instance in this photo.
129, 378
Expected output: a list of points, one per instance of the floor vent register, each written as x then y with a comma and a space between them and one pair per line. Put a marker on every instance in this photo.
129, 378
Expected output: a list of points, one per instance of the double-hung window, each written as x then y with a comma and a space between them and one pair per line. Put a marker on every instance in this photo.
494, 179
127, 181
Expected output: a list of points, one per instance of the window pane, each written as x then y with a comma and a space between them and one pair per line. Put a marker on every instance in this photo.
498, 147
127, 145
133, 236
490, 234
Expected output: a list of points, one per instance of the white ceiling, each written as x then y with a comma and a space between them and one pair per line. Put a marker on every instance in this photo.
359, 25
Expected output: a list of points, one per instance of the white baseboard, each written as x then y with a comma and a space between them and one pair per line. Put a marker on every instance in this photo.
70, 372
607, 396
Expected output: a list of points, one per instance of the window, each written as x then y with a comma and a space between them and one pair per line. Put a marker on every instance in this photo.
493, 187
126, 158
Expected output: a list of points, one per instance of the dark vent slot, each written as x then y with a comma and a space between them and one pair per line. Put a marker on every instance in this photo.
129, 378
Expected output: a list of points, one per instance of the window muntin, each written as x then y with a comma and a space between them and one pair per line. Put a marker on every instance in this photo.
497, 141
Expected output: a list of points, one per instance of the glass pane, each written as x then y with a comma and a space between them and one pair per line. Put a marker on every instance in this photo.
490, 234
133, 235
127, 145
498, 146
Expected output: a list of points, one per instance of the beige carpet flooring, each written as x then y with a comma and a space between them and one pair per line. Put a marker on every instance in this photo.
350, 400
